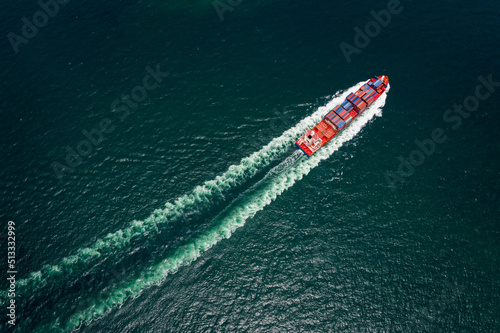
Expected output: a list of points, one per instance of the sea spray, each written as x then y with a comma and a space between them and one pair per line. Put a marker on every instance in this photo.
201, 195
184, 255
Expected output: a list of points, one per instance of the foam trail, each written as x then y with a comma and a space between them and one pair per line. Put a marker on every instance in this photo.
236, 219
201, 195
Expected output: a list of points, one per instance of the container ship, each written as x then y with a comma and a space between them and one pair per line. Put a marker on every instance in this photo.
342, 115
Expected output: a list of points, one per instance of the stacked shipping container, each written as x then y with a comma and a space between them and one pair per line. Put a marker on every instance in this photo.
342, 115
347, 105
370, 96
335, 119
326, 130
341, 111
359, 103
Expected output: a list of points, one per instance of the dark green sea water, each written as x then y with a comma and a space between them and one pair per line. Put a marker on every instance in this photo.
274, 242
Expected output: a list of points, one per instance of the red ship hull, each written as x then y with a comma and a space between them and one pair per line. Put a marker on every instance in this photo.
342, 115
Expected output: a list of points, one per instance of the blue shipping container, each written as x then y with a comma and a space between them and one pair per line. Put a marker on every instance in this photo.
347, 105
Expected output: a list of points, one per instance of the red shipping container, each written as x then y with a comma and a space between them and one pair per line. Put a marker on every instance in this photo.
369, 98
321, 126
345, 115
329, 133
